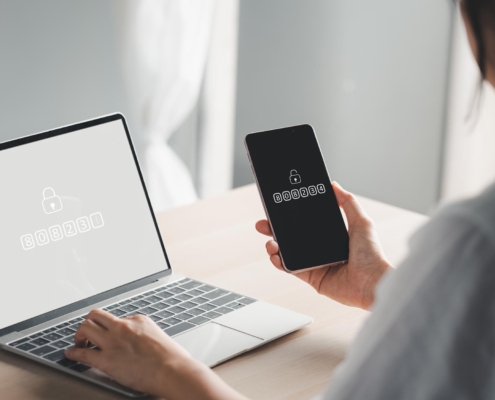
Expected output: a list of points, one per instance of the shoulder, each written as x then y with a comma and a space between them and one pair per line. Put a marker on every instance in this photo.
478, 211
474, 217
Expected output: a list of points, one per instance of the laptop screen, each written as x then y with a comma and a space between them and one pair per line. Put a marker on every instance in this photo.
75, 221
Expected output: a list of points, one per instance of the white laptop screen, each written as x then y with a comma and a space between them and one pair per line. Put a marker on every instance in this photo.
74, 221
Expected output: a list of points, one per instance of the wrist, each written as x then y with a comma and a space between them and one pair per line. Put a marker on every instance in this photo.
368, 297
191, 379
177, 374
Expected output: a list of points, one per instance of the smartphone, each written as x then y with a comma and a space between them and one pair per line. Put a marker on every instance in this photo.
298, 198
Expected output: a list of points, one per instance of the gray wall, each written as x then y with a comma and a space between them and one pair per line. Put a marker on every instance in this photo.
59, 64
370, 76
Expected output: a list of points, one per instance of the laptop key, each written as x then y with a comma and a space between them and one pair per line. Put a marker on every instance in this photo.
113, 307
226, 299
176, 290
215, 294
69, 339
206, 288
36, 335
153, 299
184, 296
75, 327
163, 325
66, 331
176, 329
132, 314
41, 351
198, 320
148, 310
191, 285
52, 336
141, 303
26, 346
40, 342
236, 306
118, 312
212, 314
195, 292
65, 362
161, 306
172, 321
172, 301
55, 356
129, 308
176, 310
80, 367
155, 318
165, 295
223, 310
18, 342
207, 307
184, 316
246, 300
164, 314
60, 344
200, 300
196, 311
188, 304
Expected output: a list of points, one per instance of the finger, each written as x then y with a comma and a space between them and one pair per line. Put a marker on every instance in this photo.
272, 247
90, 331
353, 211
102, 318
263, 227
90, 357
277, 262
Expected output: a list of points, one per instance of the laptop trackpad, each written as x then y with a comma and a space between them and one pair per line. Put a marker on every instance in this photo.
213, 343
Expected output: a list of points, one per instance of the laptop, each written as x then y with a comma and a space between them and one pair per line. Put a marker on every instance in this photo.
78, 232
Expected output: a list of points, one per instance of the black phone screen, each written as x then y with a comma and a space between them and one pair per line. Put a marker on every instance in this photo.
298, 197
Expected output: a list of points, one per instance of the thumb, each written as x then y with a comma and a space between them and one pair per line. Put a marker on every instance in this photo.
353, 211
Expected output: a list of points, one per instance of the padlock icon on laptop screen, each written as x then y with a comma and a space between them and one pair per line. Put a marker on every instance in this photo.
51, 202
294, 177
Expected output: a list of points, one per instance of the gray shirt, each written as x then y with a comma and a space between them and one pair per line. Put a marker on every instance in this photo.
431, 334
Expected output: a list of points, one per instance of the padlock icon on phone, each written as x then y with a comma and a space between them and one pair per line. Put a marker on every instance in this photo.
294, 177
51, 202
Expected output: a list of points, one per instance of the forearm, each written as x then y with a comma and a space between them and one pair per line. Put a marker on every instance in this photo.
193, 380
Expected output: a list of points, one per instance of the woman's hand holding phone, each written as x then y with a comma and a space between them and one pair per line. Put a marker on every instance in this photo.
353, 283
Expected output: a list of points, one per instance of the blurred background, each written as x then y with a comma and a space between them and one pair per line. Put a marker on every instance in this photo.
388, 86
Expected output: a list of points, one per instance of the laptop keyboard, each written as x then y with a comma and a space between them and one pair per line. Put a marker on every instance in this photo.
175, 308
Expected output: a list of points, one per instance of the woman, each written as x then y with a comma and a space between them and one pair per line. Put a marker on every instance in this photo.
432, 330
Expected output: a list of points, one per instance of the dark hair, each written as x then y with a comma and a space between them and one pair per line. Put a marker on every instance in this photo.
481, 15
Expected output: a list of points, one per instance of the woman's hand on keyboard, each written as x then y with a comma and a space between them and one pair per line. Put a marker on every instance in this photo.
353, 283
138, 354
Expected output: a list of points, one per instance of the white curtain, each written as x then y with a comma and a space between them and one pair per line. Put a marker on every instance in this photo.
469, 162
165, 48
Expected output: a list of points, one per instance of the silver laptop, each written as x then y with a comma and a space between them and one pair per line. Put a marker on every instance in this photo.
78, 232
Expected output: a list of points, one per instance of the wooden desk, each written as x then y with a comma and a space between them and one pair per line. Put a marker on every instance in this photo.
215, 241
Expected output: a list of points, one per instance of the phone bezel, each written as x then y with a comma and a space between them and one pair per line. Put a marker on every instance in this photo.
293, 128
